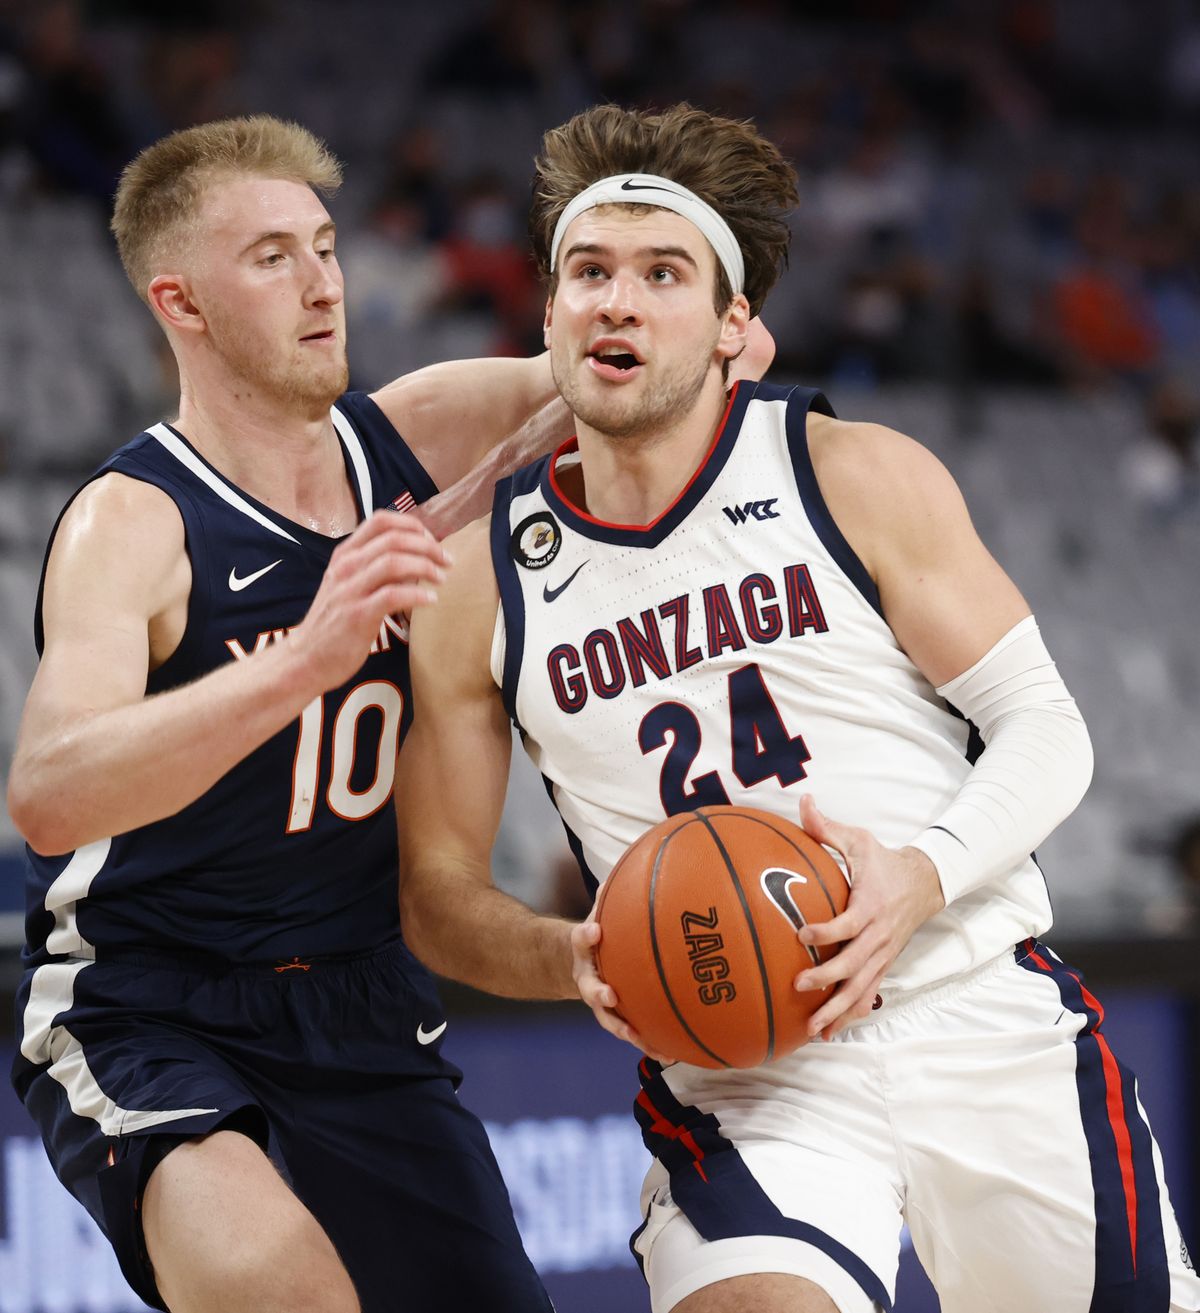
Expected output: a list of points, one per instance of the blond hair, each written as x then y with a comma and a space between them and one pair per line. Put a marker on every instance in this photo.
160, 191
724, 161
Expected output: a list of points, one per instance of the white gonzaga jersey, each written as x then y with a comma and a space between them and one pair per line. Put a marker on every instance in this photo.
732, 651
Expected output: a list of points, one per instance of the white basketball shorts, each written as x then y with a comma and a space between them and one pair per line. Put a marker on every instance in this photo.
989, 1113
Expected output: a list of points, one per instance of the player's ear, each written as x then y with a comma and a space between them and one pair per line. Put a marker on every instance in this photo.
170, 299
735, 321
546, 322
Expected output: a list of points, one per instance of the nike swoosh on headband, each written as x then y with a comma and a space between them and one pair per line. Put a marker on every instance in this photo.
627, 185
669, 195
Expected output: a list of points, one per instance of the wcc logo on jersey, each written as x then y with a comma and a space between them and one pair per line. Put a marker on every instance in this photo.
752, 510
536, 541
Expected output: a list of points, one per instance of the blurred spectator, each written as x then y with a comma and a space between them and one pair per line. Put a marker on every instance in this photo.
16, 164
1162, 470
495, 56
1172, 270
70, 120
417, 179
395, 280
881, 188
488, 267
889, 322
987, 349
1178, 913
189, 73
1101, 311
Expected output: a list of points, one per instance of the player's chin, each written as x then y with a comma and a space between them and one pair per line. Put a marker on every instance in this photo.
322, 385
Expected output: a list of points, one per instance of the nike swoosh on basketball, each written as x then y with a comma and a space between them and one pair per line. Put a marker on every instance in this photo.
428, 1036
549, 594
776, 881
236, 585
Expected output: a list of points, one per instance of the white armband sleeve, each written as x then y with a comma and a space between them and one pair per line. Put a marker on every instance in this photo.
1035, 767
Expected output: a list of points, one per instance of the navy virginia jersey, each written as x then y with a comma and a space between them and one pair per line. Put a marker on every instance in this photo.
293, 852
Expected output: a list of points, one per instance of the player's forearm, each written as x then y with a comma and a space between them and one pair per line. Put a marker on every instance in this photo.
479, 935
99, 775
1036, 766
471, 496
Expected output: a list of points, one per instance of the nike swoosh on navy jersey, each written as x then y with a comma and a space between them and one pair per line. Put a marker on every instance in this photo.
549, 594
236, 585
428, 1036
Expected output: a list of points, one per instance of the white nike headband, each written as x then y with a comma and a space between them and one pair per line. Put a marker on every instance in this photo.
628, 189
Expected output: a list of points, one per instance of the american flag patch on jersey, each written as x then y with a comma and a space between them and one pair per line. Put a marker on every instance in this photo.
404, 503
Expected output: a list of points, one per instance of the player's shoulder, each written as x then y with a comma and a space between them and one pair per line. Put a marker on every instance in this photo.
451, 639
121, 505
857, 460
888, 494
472, 539
471, 575
119, 548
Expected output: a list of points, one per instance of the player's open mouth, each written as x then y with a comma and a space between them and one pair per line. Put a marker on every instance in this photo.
614, 360
325, 336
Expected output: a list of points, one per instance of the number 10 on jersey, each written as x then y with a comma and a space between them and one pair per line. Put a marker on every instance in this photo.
347, 741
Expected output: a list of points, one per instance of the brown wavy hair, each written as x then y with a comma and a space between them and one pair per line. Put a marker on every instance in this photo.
726, 162
159, 192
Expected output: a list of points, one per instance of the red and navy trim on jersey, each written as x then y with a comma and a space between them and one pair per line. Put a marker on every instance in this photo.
715, 1189
1131, 1260
652, 534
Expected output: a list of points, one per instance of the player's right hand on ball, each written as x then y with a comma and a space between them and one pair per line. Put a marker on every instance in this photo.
601, 997
389, 565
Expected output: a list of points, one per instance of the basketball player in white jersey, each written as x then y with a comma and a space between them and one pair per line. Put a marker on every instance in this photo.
711, 597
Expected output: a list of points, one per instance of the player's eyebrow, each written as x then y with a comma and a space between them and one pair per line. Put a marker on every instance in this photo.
656, 252
282, 235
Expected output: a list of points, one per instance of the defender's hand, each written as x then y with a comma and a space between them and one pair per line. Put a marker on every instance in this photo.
600, 997
388, 565
891, 894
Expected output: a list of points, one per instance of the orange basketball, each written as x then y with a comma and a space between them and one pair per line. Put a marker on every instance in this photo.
699, 921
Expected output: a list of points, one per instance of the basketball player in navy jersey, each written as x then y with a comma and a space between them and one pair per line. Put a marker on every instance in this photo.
231, 1054
712, 597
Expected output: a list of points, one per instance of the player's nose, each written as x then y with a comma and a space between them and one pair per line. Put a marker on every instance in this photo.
324, 285
620, 303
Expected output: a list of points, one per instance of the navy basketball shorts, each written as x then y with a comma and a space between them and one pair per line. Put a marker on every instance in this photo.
989, 1113
331, 1065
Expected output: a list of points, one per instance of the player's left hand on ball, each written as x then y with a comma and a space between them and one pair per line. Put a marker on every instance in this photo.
892, 892
598, 995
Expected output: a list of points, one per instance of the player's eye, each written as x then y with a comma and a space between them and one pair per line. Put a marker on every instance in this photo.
591, 272
663, 275
272, 259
